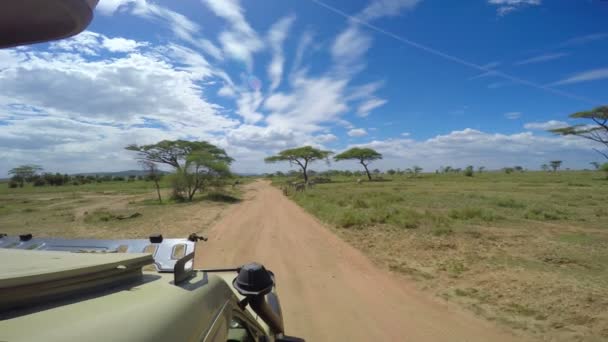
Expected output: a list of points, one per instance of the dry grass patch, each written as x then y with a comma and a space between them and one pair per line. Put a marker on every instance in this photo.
529, 251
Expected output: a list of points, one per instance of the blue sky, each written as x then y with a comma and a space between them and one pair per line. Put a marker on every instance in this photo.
426, 82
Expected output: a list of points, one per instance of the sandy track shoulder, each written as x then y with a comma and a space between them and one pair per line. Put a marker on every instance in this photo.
329, 290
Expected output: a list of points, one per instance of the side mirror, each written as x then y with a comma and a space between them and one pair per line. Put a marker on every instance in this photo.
34, 21
289, 339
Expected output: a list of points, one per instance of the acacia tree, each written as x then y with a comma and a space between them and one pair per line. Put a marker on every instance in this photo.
363, 155
555, 164
196, 163
598, 131
301, 156
24, 173
153, 174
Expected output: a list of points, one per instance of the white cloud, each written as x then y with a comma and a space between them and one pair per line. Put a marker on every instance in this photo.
226, 91
382, 8
505, 7
357, 132
545, 126
276, 36
366, 107
121, 44
311, 103
306, 40
181, 26
325, 138
85, 43
586, 76
248, 104
543, 58
108, 7
513, 115
350, 45
240, 41
492, 150
121, 90
405, 134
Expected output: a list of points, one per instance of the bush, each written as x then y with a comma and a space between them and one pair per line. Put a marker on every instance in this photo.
39, 182
468, 171
351, 218
321, 180
13, 184
360, 204
408, 219
510, 203
472, 213
546, 214
604, 168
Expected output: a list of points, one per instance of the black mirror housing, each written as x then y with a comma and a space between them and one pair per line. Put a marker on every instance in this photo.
35, 21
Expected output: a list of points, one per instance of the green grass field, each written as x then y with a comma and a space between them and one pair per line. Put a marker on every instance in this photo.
529, 250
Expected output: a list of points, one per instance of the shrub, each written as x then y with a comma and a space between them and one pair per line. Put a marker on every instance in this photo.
472, 213
39, 182
510, 203
545, 214
360, 204
468, 171
13, 184
604, 168
351, 218
408, 219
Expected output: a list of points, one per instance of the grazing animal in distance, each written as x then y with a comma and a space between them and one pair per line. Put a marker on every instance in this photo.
300, 187
359, 181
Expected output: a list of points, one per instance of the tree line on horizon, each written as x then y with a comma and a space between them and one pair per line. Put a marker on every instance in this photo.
199, 164
32, 174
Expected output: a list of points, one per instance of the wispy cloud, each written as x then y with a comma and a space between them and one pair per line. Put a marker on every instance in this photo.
366, 107
544, 126
276, 36
505, 7
543, 58
581, 40
513, 115
383, 8
357, 132
240, 41
449, 57
488, 70
586, 76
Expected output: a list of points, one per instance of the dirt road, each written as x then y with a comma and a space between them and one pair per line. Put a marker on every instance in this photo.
329, 290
